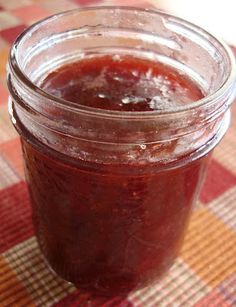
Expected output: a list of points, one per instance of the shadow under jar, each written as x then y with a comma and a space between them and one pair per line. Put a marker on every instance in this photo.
112, 186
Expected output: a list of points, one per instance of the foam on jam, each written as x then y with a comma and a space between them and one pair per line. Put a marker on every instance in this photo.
122, 83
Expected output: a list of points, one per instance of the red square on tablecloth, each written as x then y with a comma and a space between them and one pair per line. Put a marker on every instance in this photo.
30, 13
218, 181
15, 213
11, 34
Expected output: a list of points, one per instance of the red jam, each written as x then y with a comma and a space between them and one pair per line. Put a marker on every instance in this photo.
104, 230
121, 83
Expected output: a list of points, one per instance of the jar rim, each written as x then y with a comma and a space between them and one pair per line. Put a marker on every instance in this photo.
75, 107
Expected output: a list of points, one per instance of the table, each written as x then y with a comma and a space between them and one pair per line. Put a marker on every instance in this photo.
203, 275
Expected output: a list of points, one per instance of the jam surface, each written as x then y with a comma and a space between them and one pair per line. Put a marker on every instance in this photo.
104, 231
121, 83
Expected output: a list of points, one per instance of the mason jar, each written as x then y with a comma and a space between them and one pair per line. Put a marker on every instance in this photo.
112, 191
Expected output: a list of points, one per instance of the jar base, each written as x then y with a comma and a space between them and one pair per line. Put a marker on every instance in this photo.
103, 288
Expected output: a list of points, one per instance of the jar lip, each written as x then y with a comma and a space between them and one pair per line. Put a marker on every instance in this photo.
68, 105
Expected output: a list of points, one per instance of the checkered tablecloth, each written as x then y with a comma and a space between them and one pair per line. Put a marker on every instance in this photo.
203, 275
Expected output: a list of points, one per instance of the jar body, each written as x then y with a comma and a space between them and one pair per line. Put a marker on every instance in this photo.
112, 192
108, 232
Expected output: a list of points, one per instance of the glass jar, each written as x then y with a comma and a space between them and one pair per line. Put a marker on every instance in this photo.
112, 191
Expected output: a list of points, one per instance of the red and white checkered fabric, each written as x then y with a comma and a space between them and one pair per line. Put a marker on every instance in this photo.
205, 272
